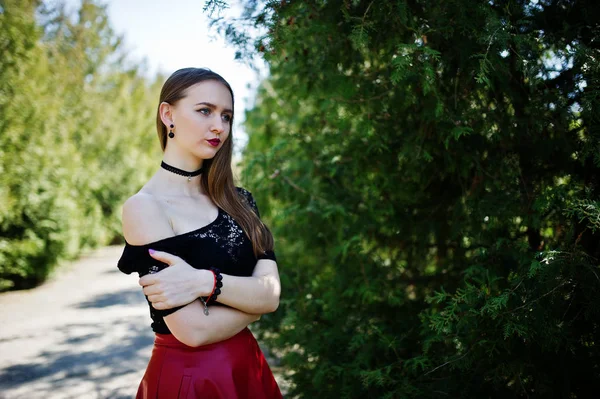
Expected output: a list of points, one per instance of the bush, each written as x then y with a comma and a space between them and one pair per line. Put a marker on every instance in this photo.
430, 173
75, 136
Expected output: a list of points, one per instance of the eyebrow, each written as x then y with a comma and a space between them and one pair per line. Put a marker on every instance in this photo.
214, 106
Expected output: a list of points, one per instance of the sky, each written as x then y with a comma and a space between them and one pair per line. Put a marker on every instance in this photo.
174, 34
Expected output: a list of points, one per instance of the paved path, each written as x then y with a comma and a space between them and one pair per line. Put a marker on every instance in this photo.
83, 334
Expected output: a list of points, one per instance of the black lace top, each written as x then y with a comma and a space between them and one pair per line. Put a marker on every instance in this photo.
222, 244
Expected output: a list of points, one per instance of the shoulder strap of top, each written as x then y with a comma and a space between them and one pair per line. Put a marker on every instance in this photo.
130, 258
135, 258
249, 199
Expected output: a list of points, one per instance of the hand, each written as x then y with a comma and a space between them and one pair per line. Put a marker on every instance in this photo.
177, 285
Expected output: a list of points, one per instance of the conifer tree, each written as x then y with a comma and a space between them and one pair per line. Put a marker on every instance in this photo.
76, 135
430, 172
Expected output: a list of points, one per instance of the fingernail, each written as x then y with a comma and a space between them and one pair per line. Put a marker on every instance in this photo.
151, 251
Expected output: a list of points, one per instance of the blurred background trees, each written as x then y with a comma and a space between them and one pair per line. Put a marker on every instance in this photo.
73, 115
430, 172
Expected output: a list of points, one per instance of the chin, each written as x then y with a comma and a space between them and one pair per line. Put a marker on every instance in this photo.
206, 154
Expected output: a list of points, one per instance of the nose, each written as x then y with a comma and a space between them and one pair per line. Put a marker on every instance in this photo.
217, 125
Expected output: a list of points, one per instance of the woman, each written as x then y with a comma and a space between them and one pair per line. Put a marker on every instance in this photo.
220, 272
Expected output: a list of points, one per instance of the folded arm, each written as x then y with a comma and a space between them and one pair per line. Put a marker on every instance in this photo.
256, 294
143, 222
192, 327
180, 283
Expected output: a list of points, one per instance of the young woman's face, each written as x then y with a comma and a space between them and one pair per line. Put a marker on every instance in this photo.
202, 118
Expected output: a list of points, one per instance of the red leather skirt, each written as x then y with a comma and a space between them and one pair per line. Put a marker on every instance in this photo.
232, 369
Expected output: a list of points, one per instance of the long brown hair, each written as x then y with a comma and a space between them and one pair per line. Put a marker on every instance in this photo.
217, 178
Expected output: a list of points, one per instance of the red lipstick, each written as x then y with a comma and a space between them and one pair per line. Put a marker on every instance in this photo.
214, 142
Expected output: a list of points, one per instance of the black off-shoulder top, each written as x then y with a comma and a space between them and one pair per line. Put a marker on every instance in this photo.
221, 244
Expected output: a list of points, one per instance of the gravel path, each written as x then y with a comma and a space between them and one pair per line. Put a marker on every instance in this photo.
83, 334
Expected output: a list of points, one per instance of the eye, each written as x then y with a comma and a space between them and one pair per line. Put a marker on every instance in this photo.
204, 111
227, 118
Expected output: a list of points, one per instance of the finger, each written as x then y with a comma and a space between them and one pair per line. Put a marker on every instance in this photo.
159, 305
164, 257
148, 279
155, 299
151, 290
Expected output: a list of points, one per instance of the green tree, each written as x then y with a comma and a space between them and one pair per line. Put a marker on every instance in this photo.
430, 172
75, 135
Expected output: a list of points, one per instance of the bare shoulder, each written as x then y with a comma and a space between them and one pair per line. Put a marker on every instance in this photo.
144, 220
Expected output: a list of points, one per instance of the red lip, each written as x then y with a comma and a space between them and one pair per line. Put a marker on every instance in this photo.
214, 142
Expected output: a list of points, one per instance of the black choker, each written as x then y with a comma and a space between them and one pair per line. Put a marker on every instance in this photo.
180, 171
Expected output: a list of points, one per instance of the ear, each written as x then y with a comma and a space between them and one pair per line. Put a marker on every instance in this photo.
166, 113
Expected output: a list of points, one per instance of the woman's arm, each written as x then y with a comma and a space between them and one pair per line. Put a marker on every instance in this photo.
143, 222
192, 327
258, 294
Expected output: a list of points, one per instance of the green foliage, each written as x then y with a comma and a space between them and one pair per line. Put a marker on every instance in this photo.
587, 211
430, 173
74, 125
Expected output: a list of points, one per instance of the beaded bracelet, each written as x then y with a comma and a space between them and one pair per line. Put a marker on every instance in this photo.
216, 290
218, 284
